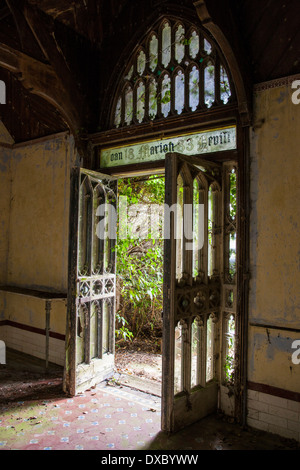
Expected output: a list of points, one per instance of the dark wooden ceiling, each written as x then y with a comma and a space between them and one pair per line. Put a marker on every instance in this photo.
270, 31
92, 35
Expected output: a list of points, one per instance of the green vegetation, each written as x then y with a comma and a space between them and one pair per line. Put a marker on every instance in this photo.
139, 266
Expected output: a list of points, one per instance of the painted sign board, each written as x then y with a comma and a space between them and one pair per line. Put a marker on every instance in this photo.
214, 140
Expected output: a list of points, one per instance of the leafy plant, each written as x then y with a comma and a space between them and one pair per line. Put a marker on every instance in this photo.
122, 331
140, 265
229, 363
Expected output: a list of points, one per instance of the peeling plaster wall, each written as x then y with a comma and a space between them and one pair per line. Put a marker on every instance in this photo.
5, 157
5, 196
5, 137
39, 215
275, 239
34, 221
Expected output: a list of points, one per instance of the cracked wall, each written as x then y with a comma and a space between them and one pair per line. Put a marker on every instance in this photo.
34, 223
274, 302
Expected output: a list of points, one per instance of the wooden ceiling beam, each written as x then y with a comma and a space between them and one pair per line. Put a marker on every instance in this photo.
40, 79
83, 16
243, 97
37, 77
26, 37
9, 59
42, 27
4, 12
55, 81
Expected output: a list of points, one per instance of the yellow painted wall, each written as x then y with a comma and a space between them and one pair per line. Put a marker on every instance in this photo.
38, 252
275, 238
5, 157
5, 137
34, 253
5, 190
30, 311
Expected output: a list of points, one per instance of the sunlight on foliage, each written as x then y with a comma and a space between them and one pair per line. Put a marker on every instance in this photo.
139, 266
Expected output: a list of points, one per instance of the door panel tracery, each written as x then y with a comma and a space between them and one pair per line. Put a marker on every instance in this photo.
176, 70
196, 323
90, 339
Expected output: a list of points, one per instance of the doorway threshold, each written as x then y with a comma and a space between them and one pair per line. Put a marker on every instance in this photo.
140, 384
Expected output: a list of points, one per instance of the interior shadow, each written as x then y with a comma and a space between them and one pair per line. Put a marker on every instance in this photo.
25, 377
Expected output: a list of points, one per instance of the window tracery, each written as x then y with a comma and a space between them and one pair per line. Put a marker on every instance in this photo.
177, 70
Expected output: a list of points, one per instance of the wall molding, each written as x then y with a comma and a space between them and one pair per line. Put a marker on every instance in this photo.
39, 140
6, 146
275, 391
274, 327
277, 83
32, 329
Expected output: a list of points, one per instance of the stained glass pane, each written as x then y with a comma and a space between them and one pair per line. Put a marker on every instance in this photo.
207, 47
233, 193
106, 244
209, 350
130, 73
195, 225
179, 44
198, 225
224, 86
80, 339
179, 92
106, 324
166, 45
141, 62
128, 105
232, 255
83, 230
232, 213
140, 105
194, 44
94, 332
152, 99
118, 113
194, 88
229, 362
166, 96
209, 85
153, 52
210, 231
178, 360
179, 227
195, 366
97, 245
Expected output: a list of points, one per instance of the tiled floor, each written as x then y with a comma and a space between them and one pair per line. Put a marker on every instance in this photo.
103, 418
114, 418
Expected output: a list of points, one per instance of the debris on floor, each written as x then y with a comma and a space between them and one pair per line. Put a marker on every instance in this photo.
36, 415
26, 377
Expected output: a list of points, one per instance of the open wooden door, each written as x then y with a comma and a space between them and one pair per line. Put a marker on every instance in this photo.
194, 279
91, 301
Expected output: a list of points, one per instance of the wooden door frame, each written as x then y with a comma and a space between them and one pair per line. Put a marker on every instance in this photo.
70, 368
242, 158
243, 272
192, 403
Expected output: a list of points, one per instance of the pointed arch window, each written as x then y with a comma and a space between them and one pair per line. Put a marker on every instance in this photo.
176, 70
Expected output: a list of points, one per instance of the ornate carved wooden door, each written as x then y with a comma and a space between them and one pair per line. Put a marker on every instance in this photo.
91, 303
196, 280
